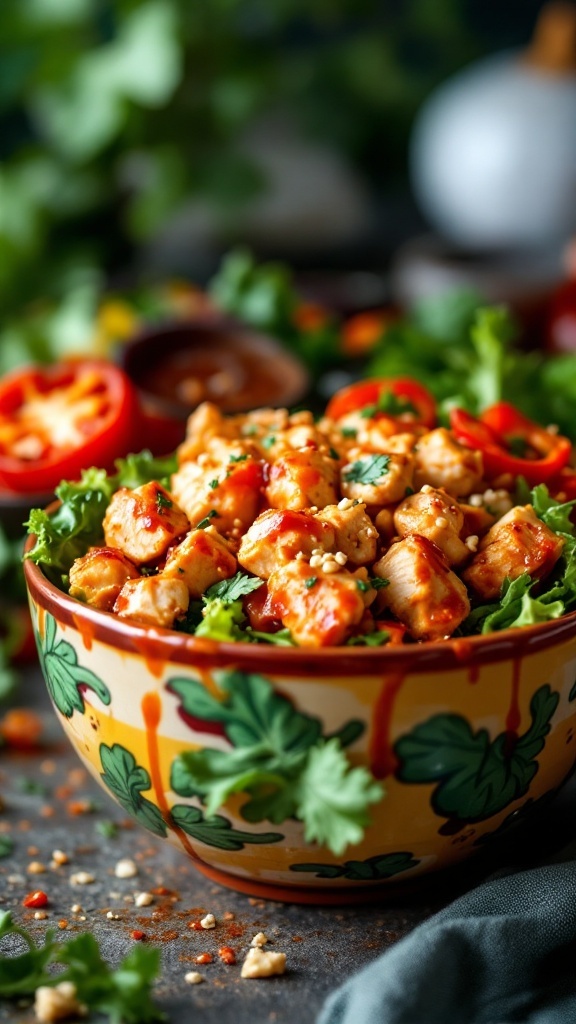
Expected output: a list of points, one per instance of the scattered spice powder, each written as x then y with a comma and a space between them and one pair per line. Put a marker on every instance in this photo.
203, 958
227, 955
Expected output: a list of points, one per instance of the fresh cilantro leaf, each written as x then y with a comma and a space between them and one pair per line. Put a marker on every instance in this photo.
310, 582
213, 484
21, 974
556, 515
268, 442
367, 470
349, 432
123, 993
237, 458
333, 453
234, 588
363, 586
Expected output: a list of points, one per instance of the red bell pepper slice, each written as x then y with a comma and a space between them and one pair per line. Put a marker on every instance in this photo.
495, 434
57, 420
400, 398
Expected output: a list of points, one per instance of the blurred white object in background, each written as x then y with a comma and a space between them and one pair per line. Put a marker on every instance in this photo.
493, 160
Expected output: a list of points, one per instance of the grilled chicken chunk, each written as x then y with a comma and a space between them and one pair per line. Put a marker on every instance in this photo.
434, 514
144, 522
201, 559
302, 479
422, 590
354, 533
519, 542
319, 608
153, 601
228, 492
98, 577
442, 462
377, 479
277, 536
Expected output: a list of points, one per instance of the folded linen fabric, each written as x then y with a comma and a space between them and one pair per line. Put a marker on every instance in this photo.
504, 953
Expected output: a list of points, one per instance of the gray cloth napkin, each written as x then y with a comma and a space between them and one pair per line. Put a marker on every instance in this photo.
502, 954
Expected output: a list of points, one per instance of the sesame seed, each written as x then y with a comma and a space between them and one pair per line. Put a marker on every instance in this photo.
471, 542
441, 522
341, 558
112, 916
330, 566
316, 561
345, 503
208, 922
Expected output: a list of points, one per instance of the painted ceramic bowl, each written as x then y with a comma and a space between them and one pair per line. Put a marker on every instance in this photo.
468, 737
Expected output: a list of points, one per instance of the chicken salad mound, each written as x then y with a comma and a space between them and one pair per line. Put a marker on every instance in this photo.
371, 526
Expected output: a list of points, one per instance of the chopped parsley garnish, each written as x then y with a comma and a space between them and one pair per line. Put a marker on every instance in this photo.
107, 828
310, 581
350, 432
267, 442
249, 430
234, 588
6, 845
124, 994
367, 470
238, 458
163, 501
363, 587
409, 491
378, 582
213, 484
206, 521
334, 454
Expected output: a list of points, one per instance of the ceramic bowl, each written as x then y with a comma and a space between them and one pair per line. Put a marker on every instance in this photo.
468, 737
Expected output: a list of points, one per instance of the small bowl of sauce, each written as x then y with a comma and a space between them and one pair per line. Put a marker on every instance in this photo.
178, 365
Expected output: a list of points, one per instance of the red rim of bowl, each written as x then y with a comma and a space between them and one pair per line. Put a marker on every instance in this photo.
170, 645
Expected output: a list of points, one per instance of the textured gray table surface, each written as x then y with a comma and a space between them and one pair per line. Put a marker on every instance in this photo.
51, 803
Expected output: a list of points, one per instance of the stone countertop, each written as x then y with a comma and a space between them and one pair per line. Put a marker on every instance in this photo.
50, 803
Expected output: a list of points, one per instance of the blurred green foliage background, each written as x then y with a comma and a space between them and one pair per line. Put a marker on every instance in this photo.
115, 113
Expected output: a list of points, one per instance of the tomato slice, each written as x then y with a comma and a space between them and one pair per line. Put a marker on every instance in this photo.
499, 430
400, 398
57, 420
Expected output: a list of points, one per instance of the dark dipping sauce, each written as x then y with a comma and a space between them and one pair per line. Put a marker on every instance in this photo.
180, 366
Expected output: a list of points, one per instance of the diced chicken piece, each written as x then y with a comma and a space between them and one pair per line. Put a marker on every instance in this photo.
434, 514
201, 559
153, 601
422, 590
442, 462
354, 531
143, 523
384, 523
320, 609
301, 479
477, 520
277, 536
517, 543
228, 494
297, 435
377, 479
205, 422
98, 577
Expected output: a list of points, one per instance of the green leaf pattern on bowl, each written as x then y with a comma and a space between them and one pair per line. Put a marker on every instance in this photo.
127, 780
477, 777
374, 868
64, 676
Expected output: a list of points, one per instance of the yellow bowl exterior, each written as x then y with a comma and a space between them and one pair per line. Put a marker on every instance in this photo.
462, 749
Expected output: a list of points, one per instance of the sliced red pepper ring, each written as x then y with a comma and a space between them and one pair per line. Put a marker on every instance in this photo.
498, 430
57, 420
401, 398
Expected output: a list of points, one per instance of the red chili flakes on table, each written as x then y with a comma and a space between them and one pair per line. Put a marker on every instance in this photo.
203, 958
137, 935
35, 899
195, 926
227, 955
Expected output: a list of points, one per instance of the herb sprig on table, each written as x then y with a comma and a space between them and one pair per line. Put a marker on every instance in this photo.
123, 994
